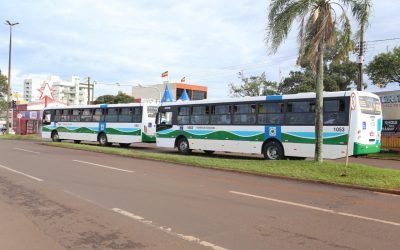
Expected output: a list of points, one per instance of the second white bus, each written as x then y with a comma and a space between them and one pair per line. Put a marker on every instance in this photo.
106, 124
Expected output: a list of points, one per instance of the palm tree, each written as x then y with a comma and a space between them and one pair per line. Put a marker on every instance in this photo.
323, 23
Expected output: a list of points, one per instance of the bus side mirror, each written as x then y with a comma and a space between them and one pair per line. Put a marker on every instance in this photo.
47, 119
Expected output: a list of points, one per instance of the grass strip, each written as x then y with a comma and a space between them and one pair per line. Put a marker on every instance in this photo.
329, 172
386, 156
21, 137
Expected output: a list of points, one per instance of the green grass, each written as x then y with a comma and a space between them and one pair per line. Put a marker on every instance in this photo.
20, 137
328, 172
386, 156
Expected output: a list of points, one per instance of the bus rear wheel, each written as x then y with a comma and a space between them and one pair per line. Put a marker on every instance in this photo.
183, 146
273, 150
55, 137
103, 140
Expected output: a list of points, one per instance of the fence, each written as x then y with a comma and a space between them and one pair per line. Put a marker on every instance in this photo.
391, 135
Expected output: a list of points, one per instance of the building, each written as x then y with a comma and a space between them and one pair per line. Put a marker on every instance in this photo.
195, 92
70, 92
391, 119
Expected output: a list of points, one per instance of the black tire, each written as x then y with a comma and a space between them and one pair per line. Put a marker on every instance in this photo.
209, 152
183, 146
124, 145
103, 140
273, 150
55, 137
77, 141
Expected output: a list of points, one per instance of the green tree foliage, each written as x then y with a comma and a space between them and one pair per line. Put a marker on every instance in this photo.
253, 86
114, 99
385, 68
3, 92
319, 22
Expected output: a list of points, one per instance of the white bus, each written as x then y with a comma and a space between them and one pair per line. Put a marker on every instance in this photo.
274, 126
106, 124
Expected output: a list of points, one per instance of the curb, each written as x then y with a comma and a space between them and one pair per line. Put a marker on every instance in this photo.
380, 190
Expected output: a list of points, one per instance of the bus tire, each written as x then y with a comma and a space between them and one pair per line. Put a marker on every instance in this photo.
273, 150
77, 141
55, 137
103, 140
183, 146
124, 145
209, 152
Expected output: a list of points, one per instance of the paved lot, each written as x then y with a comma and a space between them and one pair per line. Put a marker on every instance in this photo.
82, 200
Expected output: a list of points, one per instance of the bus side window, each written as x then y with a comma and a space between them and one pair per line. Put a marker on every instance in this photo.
200, 115
334, 112
183, 115
244, 114
111, 115
57, 116
221, 114
86, 115
300, 113
125, 114
271, 113
137, 115
97, 115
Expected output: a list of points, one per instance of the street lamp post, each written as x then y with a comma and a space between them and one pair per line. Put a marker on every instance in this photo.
9, 80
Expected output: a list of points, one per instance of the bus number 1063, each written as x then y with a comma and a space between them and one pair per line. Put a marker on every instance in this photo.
338, 129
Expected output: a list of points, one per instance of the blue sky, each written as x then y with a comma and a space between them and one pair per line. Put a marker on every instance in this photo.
130, 42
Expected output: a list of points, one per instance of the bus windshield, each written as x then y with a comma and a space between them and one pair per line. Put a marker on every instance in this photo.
370, 105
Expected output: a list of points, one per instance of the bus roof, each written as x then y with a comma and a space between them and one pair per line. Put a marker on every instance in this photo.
271, 97
106, 105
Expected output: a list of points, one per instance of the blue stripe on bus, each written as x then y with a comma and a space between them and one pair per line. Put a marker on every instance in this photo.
273, 97
103, 105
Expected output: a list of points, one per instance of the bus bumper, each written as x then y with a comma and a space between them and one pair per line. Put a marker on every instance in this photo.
362, 149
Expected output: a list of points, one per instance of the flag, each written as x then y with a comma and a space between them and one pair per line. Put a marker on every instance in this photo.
164, 74
183, 79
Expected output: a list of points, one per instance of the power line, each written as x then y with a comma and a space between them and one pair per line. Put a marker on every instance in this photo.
383, 40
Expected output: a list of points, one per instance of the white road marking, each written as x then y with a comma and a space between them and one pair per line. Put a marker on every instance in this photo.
168, 230
18, 172
25, 150
317, 208
103, 166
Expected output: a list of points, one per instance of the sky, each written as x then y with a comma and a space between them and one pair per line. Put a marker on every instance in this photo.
133, 42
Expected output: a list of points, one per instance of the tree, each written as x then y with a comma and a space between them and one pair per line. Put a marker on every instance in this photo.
385, 68
253, 86
319, 21
3, 92
114, 99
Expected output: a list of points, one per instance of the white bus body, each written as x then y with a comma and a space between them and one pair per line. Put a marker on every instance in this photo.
106, 123
275, 126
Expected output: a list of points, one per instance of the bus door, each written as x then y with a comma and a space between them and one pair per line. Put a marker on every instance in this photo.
164, 118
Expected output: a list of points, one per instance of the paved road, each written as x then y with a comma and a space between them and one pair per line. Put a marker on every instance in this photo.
84, 200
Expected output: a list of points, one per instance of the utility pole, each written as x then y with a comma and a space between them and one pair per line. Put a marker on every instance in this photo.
88, 92
9, 81
361, 60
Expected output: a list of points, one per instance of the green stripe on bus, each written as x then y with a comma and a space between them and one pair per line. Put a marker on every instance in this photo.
216, 135
338, 140
85, 130
148, 138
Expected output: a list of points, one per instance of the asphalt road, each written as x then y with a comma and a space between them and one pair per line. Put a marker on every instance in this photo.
82, 200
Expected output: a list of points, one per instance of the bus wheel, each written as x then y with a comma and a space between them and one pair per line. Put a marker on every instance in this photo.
183, 146
209, 152
55, 137
124, 145
103, 141
273, 150
77, 141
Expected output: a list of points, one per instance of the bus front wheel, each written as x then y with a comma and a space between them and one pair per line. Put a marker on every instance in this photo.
273, 150
55, 137
103, 141
183, 146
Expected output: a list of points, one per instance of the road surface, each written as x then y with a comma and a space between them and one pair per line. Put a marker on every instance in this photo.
83, 200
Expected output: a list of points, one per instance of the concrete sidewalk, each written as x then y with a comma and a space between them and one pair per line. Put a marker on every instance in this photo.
18, 232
